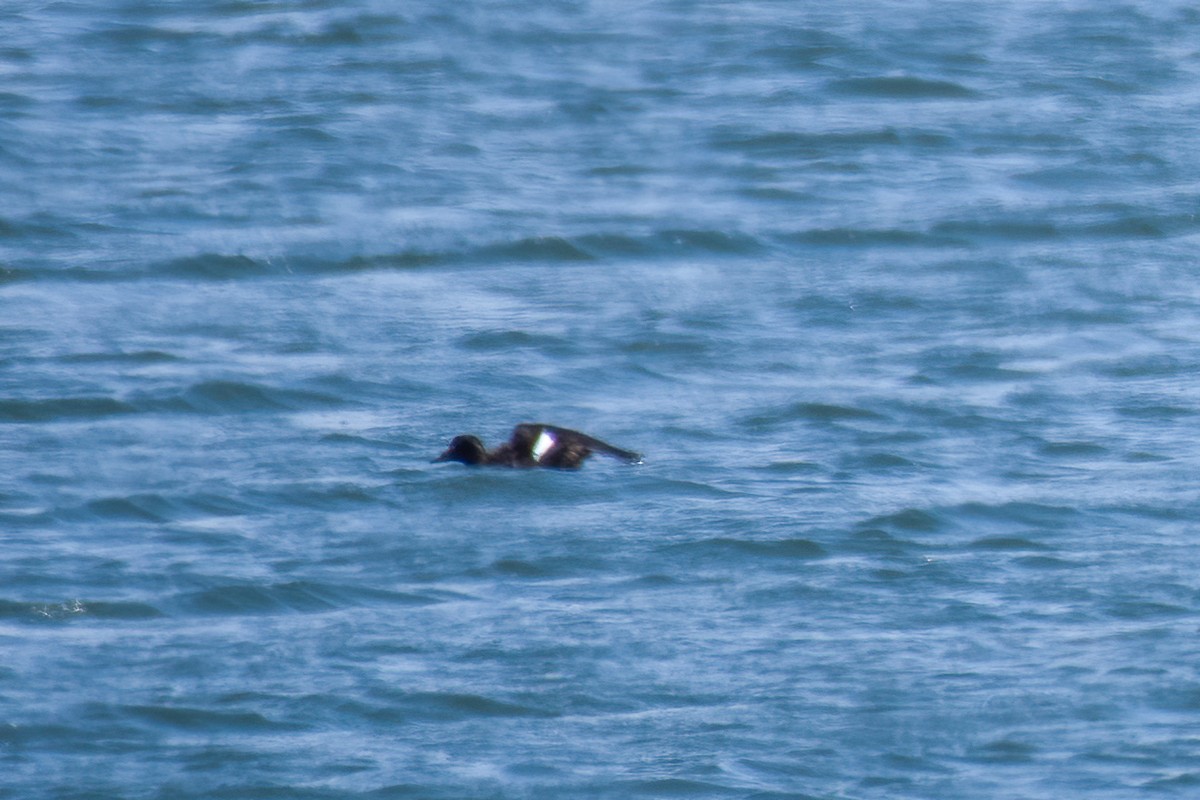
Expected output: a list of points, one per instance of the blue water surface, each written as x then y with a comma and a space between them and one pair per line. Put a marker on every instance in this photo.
899, 300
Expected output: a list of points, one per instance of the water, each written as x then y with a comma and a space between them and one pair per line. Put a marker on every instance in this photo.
898, 299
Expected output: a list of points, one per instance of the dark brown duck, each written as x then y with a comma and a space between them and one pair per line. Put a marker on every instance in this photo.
533, 444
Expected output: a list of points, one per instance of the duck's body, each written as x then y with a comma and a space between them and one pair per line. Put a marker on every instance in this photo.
533, 444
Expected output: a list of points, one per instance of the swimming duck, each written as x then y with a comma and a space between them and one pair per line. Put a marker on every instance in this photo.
533, 444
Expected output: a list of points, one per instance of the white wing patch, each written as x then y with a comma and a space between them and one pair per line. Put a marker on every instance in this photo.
542, 445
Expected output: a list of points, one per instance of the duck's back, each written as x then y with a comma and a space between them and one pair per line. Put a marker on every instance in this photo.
538, 444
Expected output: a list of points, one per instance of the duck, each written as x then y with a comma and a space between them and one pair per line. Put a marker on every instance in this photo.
535, 444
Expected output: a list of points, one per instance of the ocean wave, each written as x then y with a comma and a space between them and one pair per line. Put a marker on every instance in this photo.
903, 87
830, 414
62, 408
238, 397
201, 719
210, 397
670, 243
303, 597
157, 508
764, 548
73, 610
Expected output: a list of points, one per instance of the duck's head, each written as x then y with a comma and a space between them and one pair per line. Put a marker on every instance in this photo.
467, 449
